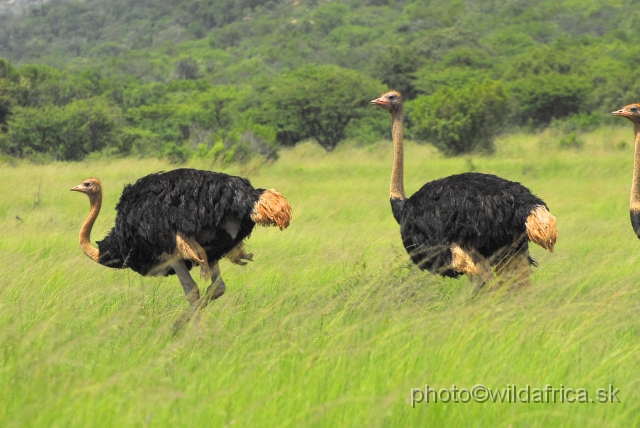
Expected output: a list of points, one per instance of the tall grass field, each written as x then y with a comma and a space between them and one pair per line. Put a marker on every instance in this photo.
331, 325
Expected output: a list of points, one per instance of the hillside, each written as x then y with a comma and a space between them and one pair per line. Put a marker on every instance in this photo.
148, 60
16, 7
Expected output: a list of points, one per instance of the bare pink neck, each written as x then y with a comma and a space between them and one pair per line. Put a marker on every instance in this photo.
85, 231
397, 172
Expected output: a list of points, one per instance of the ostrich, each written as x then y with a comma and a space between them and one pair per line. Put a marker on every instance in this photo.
466, 223
168, 222
632, 112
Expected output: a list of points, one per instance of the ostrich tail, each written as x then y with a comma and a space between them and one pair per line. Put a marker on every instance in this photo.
272, 209
541, 228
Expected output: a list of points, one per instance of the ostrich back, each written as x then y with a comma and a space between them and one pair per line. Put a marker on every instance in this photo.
197, 203
477, 211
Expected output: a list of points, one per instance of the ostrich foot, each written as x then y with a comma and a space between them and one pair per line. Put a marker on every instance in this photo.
183, 320
216, 289
213, 293
193, 313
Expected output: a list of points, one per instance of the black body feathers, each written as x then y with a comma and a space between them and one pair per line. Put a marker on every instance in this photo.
396, 208
635, 222
200, 204
479, 211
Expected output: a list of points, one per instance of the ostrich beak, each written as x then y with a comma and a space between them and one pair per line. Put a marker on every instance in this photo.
620, 112
78, 188
379, 101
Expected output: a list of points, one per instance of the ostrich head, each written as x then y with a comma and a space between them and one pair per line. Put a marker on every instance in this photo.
390, 101
90, 187
631, 112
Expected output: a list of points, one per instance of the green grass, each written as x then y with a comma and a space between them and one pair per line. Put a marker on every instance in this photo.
331, 325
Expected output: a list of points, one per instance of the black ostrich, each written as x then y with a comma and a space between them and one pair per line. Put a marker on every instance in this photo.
632, 112
168, 222
466, 223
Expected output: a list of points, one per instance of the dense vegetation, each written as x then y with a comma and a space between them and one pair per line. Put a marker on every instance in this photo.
224, 80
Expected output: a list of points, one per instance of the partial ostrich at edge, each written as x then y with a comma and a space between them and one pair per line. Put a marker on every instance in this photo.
168, 222
466, 223
632, 112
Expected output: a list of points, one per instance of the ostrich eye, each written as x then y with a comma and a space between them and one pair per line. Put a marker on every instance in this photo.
634, 109
87, 184
392, 97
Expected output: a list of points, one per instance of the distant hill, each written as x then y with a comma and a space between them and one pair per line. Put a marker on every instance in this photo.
233, 41
158, 68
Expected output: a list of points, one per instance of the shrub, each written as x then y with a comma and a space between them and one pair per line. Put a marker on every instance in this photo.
261, 139
64, 133
571, 141
319, 102
539, 99
581, 122
461, 120
174, 153
216, 150
396, 67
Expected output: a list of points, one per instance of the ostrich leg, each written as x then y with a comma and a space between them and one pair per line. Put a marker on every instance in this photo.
484, 275
217, 287
516, 271
191, 290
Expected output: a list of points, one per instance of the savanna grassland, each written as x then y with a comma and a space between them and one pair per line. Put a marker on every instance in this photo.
331, 325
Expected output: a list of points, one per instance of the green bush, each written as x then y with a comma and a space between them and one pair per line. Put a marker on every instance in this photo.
261, 139
175, 153
140, 142
539, 99
229, 155
202, 151
571, 141
460, 120
396, 67
319, 102
581, 122
243, 143
368, 129
216, 150
65, 133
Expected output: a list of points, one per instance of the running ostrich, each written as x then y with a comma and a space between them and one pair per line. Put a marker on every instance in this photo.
632, 112
168, 222
466, 223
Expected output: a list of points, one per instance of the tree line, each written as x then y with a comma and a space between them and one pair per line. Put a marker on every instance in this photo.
230, 80
47, 113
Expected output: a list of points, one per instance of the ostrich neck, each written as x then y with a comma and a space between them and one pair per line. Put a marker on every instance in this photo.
397, 172
85, 231
635, 184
